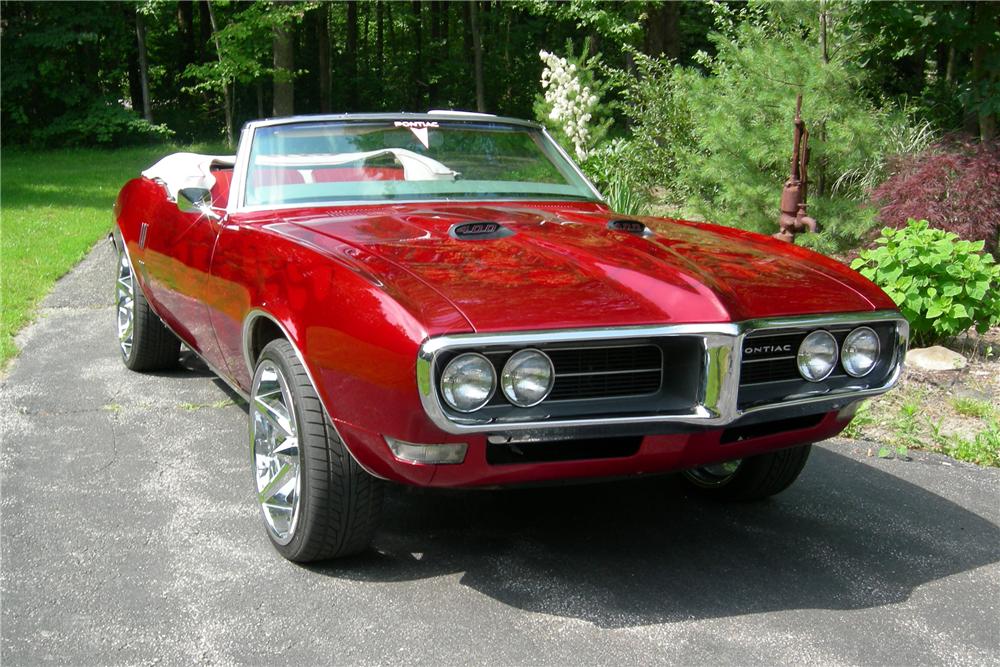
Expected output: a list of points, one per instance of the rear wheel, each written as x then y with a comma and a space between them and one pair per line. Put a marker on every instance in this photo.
145, 343
751, 478
315, 500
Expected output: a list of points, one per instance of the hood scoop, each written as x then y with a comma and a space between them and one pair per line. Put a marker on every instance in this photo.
629, 227
478, 231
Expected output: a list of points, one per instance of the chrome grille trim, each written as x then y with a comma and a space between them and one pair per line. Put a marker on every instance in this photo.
721, 344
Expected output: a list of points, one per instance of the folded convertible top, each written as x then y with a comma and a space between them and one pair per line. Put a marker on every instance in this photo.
187, 170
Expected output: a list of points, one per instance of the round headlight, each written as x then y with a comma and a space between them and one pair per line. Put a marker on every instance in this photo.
468, 382
527, 378
817, 355
860, 353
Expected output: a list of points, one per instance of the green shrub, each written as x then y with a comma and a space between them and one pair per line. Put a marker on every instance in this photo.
101, 124
717, 137
942, 284
608, 166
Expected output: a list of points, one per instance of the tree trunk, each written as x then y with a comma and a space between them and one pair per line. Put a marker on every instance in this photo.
470, 68
477, 56
352, 55
982, 75
284, 66
662, 30
132, 57
185, 28
419, 85
435, 50
323, 57
206, 18
227, 94
140, 37
379, 38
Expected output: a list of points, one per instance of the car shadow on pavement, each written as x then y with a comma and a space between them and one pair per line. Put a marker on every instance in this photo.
845, 536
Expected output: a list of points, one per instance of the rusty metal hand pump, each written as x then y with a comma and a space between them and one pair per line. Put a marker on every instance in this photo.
793, 219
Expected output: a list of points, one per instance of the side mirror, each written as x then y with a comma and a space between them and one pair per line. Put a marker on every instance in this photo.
196, 200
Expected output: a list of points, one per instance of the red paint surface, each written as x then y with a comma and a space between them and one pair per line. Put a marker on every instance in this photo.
359, 289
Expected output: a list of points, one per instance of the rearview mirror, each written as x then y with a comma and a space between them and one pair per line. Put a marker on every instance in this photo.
196, 200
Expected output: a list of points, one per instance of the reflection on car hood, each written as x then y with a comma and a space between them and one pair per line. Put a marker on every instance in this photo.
563, 267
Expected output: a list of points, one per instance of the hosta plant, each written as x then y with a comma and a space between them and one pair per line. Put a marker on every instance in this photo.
943, 285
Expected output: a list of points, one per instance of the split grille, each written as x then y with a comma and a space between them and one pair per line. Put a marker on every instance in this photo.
769, 371
597, 372
606, 372
770, 357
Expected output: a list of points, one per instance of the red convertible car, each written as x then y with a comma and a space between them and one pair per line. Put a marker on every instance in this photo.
444, 300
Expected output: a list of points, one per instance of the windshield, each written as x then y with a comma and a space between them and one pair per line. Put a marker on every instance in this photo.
385, 160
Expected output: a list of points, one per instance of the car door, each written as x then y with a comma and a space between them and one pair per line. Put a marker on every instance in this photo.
177, 255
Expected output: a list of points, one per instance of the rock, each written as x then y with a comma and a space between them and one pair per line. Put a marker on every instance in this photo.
935, 358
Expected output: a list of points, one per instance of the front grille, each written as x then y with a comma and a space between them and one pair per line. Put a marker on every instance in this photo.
770, 357
769, 371
598, 372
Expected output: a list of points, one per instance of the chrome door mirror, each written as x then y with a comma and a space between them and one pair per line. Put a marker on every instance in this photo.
196, 200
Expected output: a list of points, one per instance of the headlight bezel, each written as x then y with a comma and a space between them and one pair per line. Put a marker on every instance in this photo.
449, 398
875, 356
822, 333
507, 383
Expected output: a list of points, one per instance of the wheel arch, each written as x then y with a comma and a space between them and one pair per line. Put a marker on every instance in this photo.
258, 325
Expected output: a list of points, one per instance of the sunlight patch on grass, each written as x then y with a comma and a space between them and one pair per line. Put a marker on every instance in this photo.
54, 205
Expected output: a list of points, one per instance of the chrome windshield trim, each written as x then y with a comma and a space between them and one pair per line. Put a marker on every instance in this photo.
354, 203
722, 345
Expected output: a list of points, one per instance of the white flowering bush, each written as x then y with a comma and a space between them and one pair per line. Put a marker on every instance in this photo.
570, 104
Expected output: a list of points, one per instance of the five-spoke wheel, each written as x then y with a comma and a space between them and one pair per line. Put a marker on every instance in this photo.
315, 500
145, 343
274, 435
125, 300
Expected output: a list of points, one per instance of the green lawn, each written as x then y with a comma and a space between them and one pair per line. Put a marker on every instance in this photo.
54, 205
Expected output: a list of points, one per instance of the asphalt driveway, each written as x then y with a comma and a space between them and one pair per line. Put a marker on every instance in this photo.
129, 536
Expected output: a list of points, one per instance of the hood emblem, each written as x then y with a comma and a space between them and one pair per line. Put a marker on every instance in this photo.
629, 227
477, 231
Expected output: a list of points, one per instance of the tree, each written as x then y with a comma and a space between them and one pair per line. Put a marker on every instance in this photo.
477, 55
140, 35
284, 70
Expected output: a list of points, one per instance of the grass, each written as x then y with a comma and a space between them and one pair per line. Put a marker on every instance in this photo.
971, 407
905, 421
54, 205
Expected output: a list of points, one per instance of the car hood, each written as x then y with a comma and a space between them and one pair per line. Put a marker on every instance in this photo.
557, 266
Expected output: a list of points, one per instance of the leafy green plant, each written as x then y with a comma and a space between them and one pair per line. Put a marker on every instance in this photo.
983, 449
739, 105
862, 418
104, 123
905, 424
608, 167
942, 284
971, 407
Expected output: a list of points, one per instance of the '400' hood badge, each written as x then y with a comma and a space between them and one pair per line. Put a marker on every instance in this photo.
477, 231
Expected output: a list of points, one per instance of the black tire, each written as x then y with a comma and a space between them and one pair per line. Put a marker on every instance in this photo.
755, 478
339, 502
154, 347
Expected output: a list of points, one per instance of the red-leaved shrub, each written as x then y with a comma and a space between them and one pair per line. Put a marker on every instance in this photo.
954, 184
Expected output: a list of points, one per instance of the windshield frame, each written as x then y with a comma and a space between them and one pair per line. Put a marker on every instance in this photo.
247, 136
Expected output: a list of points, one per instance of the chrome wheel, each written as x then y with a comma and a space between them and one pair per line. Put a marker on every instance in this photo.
275, 450
125, 298
717, 474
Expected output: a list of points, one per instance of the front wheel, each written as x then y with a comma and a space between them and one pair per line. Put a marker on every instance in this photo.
145, 343
315, 500
751, 478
